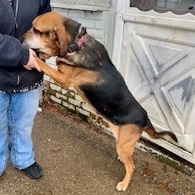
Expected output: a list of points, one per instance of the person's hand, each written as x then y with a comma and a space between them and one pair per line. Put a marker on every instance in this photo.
32, 63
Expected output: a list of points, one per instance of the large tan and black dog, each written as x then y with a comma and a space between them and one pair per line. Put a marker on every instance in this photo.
83, 63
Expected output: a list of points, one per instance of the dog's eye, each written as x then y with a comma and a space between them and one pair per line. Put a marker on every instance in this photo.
37, 31
47, 33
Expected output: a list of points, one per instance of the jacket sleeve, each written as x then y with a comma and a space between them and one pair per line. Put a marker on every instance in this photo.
45, 6
12, 53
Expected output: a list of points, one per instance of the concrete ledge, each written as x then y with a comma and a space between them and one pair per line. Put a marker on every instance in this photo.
79, 7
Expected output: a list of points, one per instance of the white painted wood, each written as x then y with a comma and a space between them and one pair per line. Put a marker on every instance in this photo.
156, 55
120, 8
100, 3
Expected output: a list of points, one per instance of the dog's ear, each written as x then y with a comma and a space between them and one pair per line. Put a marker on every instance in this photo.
72, 27
67, 33
62, 40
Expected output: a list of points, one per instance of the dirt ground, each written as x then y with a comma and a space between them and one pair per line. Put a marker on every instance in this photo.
77, 159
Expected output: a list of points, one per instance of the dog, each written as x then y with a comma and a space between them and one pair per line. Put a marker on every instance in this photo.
83, 63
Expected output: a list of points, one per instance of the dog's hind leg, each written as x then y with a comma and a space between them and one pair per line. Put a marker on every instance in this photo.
128, 135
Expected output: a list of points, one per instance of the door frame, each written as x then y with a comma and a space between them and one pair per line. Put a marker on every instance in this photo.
125, 13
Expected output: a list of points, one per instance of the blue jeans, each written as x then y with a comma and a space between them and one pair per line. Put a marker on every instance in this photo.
17, 113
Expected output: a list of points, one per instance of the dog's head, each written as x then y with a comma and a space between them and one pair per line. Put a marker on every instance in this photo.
51, 34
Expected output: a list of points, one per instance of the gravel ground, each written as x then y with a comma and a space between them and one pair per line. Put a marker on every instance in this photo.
78, 159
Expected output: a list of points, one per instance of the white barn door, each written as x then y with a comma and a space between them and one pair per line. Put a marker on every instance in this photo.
156, 55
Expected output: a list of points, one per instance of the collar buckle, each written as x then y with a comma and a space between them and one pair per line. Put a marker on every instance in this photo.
81, 40
73, 47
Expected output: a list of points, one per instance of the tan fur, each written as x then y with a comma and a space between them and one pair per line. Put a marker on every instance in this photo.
128, 135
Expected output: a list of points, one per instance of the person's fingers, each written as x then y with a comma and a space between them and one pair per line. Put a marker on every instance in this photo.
36, 65
32, 63
32, 52
27, 67
31, 66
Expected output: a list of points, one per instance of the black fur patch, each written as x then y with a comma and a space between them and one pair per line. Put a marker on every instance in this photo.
112, 99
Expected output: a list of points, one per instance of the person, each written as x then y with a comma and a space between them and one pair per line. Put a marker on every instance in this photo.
20, 85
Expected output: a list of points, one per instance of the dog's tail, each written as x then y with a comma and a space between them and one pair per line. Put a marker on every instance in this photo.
156, 135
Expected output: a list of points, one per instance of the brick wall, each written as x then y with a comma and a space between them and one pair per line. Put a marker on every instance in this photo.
96, 21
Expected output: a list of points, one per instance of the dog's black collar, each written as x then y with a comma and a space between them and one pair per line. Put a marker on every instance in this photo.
82, 37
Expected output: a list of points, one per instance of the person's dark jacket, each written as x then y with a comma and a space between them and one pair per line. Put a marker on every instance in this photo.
15, 20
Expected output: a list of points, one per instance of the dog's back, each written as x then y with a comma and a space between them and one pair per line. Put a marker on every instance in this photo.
109, 95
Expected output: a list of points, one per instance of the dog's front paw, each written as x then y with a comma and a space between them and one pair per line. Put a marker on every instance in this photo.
121, 186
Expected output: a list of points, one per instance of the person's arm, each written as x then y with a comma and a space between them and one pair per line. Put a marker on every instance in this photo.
45, 7
12, 53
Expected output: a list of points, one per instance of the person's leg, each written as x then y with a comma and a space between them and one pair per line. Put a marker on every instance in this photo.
23, 110
4, 106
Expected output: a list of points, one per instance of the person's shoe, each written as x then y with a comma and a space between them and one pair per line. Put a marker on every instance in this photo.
34, 171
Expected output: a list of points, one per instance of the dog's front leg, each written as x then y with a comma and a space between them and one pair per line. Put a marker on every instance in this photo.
65, 61
56, 75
